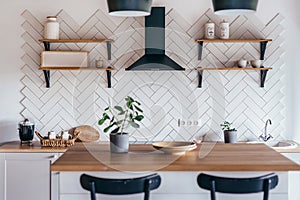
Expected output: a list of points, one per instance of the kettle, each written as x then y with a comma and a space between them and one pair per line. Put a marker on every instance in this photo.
26, 131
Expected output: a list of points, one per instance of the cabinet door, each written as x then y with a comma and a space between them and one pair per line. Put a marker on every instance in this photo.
27, 176
2, 175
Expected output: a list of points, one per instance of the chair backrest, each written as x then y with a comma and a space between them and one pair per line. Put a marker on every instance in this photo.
120, 186
238, 185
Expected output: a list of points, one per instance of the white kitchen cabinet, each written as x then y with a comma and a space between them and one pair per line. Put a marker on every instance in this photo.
175, 185
294, 177
27, 176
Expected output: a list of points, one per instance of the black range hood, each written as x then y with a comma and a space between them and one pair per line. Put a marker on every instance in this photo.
155, 58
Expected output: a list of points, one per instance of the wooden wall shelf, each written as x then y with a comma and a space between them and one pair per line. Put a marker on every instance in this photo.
47, 43
76, 40
234, 68
76, 68
263, 73
233, 40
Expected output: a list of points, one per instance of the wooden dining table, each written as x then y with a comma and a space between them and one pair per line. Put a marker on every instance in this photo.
207, 156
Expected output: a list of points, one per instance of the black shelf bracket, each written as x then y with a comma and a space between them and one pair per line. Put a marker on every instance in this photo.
200, 77
108, 73
47, 72
108, 45
263, 75
263, 46
200, 49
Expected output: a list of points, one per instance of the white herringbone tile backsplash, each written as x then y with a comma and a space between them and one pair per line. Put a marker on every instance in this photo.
79, 97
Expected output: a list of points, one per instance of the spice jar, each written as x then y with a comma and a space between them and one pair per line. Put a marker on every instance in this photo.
51, 29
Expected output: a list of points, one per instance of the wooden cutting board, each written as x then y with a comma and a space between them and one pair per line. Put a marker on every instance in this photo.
86, 133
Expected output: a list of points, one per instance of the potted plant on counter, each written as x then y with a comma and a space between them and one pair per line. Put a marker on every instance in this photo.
230, 133
119, 119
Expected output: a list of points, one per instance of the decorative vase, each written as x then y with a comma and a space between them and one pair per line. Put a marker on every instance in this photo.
51, 30
119, 143
230, 136
209, 30
224, 30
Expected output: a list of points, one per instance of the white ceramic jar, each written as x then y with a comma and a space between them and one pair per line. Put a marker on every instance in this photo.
51, 29
209, 30
99, 63
224, 30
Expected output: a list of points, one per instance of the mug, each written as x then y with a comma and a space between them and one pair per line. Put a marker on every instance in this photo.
65, 135
242, 63
52, 135
256, 63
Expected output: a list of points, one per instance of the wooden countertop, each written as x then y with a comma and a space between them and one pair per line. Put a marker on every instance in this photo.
207, 157
16, 147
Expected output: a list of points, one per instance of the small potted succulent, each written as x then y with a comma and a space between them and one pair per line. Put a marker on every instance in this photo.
119, 118
230, 133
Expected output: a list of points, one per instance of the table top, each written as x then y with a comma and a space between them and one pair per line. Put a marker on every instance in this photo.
143, 157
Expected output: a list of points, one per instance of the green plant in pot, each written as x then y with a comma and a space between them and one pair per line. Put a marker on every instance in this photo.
230, 133
119, 118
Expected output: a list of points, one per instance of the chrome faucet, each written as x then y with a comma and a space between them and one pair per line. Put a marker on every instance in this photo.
265, 136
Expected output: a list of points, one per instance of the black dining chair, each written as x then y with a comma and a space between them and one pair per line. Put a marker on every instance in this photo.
237, 185
120, 186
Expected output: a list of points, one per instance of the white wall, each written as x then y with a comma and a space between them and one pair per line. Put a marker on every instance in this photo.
11, 52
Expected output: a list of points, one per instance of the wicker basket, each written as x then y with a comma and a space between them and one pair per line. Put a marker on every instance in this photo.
58, 142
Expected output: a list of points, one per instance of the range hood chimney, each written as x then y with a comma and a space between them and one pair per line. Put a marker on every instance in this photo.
155, 58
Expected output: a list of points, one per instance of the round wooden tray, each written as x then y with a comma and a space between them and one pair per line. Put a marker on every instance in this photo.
175, 148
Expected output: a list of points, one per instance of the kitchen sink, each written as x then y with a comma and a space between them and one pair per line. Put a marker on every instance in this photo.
286, 144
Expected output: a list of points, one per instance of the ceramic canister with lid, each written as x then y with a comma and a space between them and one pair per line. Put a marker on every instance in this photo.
209, 30
224, 30
51, 29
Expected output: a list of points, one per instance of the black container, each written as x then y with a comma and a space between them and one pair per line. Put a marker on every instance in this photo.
26, 131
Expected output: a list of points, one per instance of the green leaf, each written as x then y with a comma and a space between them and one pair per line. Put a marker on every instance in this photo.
101, 121
119, 108
133, 124
107, 129
130, 116
139, 118
138, 103
112, 119
115, 130
138, 108
105, 116
121, 113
